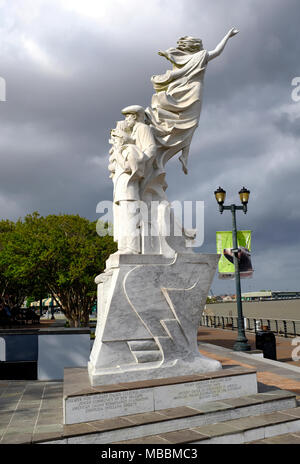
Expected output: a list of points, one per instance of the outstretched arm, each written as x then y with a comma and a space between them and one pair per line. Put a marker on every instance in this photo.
220, 47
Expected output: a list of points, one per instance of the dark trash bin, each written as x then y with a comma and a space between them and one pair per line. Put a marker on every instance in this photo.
266, 341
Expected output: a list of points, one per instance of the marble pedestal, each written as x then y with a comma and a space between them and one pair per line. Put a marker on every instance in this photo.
149, 308
83, 403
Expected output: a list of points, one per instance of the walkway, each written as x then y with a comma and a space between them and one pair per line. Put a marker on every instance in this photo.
226, 338
32, 410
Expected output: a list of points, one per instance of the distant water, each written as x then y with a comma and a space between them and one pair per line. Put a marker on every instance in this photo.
283, 309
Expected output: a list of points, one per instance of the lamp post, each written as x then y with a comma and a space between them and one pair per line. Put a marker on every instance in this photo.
241, 343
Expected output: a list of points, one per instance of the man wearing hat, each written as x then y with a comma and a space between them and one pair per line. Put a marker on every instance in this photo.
131, 157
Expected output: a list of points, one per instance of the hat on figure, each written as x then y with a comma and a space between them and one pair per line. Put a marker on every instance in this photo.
135, 109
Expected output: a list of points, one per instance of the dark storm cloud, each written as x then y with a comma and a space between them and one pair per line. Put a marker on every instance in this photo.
70, 68
288, 125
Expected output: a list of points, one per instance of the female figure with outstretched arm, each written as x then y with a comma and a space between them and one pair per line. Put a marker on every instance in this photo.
176, 106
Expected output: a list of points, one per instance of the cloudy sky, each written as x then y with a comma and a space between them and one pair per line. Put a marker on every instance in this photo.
71, 65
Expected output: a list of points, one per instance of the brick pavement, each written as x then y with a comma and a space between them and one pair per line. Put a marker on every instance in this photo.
226, 338
267, 374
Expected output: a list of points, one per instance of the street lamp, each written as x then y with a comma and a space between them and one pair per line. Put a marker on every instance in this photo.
241, 343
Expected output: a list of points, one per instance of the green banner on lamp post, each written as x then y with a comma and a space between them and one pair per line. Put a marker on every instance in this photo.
224, 248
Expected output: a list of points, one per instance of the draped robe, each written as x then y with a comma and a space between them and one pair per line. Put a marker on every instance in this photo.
175, 107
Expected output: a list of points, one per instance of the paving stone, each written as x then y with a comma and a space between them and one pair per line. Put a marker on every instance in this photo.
20, 428
8, 405
49, 419
23, 418
246, 423
78, 429
3, 384
50, 428
53, 394
49, 404
28, 411
13, 438
162, 382
85, 391
10, 394
110, 424
58, 410
57, 388
279, 393
280, 416
256, 398
33, 393
213, 407
256, 442
26, 403
146, 418
295, 412
285, 439
215, 430
5, 418
231, 372
43, 437
102, 389
176, 413
183, 436
151, 440
16, 386
242, 401
49, 414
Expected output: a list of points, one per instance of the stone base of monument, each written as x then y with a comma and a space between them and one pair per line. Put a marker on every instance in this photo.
149, 307
84, 403
218, 407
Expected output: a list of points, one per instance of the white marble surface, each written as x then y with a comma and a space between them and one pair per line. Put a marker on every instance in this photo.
146, 140
153, 299
155, 287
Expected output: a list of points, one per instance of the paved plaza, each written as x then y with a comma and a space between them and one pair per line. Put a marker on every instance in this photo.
32, 411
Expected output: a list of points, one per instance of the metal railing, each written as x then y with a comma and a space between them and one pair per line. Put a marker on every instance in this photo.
285, 327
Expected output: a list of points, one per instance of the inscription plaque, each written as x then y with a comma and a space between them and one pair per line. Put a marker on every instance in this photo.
99, 406
196, 393
108, 405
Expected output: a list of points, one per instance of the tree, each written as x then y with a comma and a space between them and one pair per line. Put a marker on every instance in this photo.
12, 289
59, 255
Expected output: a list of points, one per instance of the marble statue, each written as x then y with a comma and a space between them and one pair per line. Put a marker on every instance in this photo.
176, 106
133, 151
171, 122
153, 290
